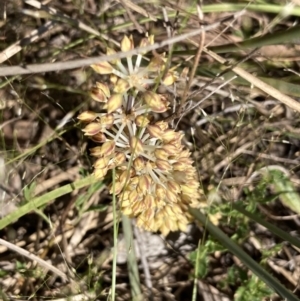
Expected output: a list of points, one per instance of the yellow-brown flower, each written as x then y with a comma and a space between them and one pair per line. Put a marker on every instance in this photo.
132, 76
155, 179
157, 191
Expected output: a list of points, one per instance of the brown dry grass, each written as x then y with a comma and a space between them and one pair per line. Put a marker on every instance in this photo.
233, 131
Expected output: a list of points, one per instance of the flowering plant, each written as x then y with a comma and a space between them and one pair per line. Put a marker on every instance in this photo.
155, 180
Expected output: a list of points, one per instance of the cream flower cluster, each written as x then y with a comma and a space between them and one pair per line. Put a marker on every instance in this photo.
155, 180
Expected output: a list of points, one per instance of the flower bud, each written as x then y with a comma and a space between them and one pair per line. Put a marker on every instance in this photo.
177, 209
169, 79
136, 145
137, 207
162, 125
119, 159
100, 173
154, 131
133, 196
127, 44
96, 151
114, 102
161, 154
98, 95
160, 191
169, 211
180, 166
149, 216
99, 137
101, 163
163, 165
92, 129
142, 121
107, 148
154, 101
169, 135
171, 196
187, 190
103, 68
110, 51
116, 187
107, 121
121, 86
104, 88
113, 79
147, 41
171, 149
134, 181
139, 164
173, 186
156, 64
148, 201
144, 183
87, 116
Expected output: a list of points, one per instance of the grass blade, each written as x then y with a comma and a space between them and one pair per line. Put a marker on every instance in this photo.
133, 271
243, 256
40, 201
275, 230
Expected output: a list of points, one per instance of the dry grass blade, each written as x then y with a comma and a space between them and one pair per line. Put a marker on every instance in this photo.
53, 12
3, 10
137, 8
290, 102
230, 127
18, 46
31, 256
50, 183
196, 62
59, 66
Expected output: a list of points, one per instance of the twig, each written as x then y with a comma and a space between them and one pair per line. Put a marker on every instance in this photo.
131, 16
50, 183
137, 8
58, 66
16, 47
55, 14
31, 256
3, 10
293, 104
203, 99
195, 65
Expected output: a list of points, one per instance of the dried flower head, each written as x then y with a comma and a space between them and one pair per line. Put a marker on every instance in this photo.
155, 179
133, 77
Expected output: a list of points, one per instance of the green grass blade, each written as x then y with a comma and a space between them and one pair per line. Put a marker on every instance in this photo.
33, 149
266, 8
275, 230
40, 201
115, 253
243, 256
216, 8
194, 295
283, 37
282, 185
133, 271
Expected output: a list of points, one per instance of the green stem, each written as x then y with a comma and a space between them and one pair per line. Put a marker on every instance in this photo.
133, 271
40, 201
115, 253
243, 256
